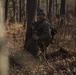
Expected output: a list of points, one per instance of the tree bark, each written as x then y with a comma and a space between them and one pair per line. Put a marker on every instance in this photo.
22, 10
56, 7
50, 7
6, 9
19, 10
47, 6
31, 12
62, 8
14, 9
75, 7
53, 6
38, 3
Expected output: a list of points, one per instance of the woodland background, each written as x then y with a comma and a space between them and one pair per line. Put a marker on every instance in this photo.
19, 14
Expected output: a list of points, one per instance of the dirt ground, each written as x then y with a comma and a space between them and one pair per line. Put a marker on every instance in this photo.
60, 61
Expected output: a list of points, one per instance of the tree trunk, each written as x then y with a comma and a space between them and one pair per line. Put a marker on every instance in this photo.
3, 52
75, 7
50, 7
14, 9
19, 10
53, 6
38, 3
31, 11
6, 9
22, 10
47, 7
56, 7
62, 8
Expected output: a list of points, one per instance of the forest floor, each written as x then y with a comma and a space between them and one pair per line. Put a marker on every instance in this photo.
61, 54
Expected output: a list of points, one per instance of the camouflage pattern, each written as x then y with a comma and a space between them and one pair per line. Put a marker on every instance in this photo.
42, 30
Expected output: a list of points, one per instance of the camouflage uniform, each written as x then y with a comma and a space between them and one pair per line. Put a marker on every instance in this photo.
43, 31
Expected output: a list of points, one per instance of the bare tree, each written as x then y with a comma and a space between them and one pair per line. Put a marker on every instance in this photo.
50, 7
31, 12
47, 5
75, 7
62, 8
23, 10
19, 10
14, 9
3, 52
53, 6
6, 9
56, 6
11, 11
39, 2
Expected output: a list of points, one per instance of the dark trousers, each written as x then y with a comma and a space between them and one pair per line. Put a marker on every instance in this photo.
42, 47
35, 46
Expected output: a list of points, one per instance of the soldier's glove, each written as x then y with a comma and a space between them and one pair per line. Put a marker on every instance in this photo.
35, 37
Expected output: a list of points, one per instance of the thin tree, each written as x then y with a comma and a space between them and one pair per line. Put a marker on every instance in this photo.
75, 7
62, 8
22, 10
6, 9
47, 6
19, 10
56, 7
50, 7
53, 6
13, 7
39, 3
11, 11
62, 12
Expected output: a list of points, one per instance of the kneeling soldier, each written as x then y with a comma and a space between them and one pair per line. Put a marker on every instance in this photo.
41, 31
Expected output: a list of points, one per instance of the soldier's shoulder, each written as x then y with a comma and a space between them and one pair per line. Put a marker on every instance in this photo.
34, 23
46, 23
